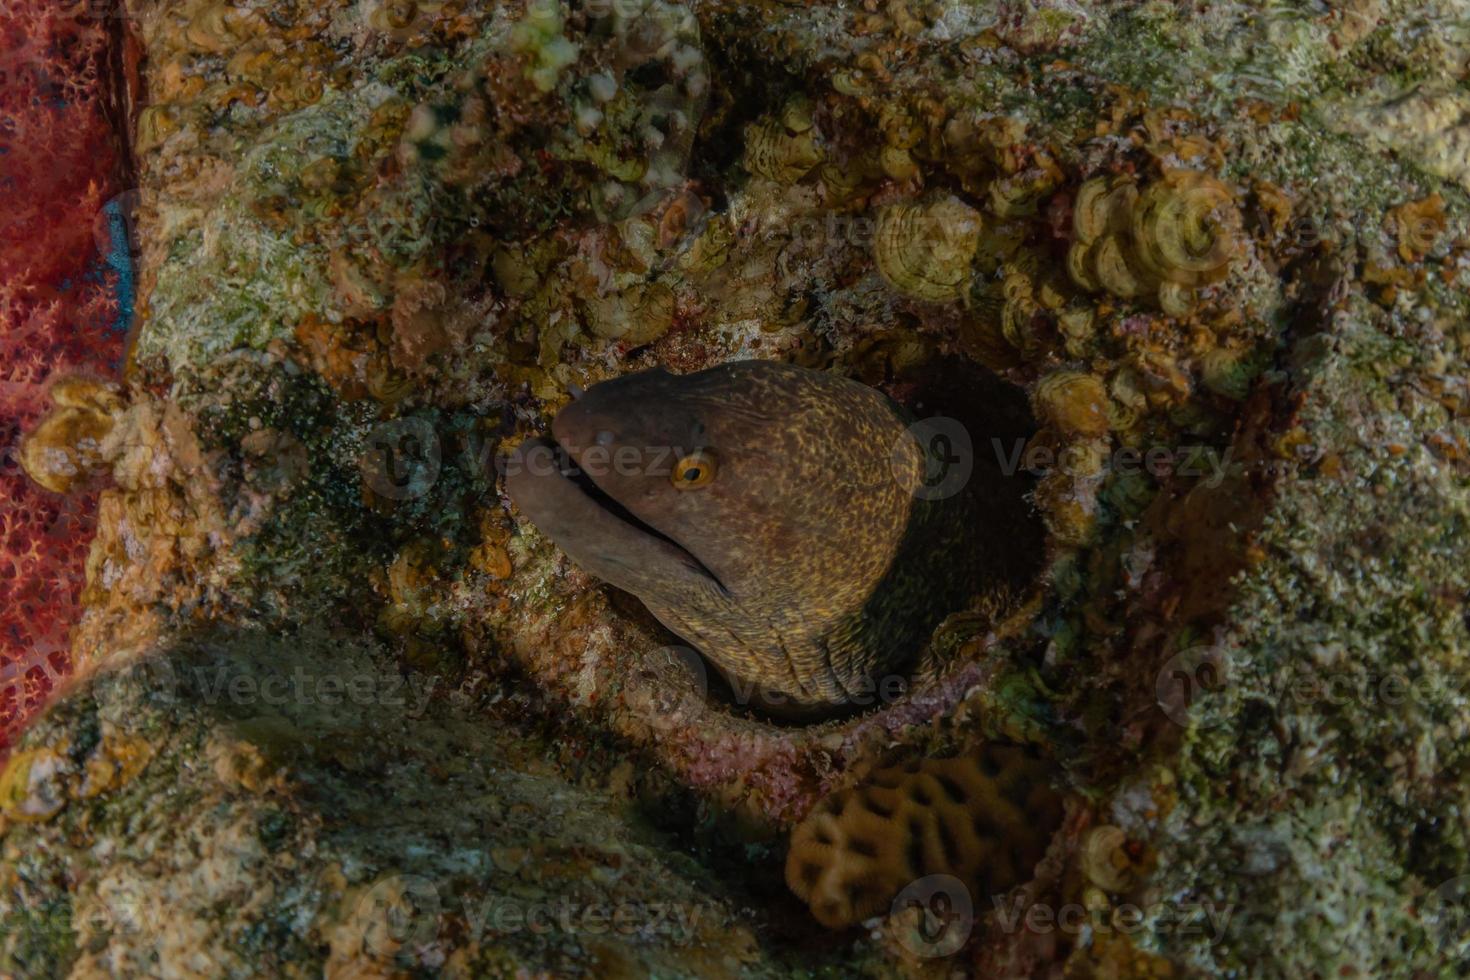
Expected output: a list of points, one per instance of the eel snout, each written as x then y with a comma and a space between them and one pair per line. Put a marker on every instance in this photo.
592, 528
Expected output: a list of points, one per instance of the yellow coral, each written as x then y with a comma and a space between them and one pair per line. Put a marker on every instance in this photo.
33, 785
783, 148
924, 249
1074, 402
1179, 233
1186, 228
221, 27
1417, 225
65, 449
1107, 860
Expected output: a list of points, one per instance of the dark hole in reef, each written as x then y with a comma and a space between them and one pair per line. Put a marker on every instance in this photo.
995, 417
650, 75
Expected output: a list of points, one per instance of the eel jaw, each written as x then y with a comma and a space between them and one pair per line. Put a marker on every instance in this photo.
595, 531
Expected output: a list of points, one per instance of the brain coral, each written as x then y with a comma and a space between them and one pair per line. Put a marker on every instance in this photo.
984, 817
62, 308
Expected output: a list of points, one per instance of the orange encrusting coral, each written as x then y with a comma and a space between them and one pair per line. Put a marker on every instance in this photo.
63, 306
986, 818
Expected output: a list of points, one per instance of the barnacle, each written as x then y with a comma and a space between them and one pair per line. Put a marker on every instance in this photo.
1018, 195
393, 15
1176, 299
846, 178
977, 148
1112, 269
65, 449
924, 249
710, 249
783, 147
898, 163
1102, 207
985, 818
156, 123
1074, 402
1161, 378
1077, 327
899, 127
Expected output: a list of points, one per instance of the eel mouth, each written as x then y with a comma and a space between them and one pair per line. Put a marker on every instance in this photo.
592, 526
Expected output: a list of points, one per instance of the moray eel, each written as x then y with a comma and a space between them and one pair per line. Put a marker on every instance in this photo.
766, 513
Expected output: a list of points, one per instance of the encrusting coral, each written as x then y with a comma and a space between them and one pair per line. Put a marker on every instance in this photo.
1178, 233
783, 147
923, 249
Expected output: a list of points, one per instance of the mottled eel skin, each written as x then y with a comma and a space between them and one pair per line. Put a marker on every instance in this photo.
765, 513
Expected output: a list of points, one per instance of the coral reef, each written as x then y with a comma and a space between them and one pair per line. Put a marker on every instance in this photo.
1196, 275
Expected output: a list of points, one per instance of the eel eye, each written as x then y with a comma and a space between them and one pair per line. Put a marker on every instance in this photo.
694, 470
